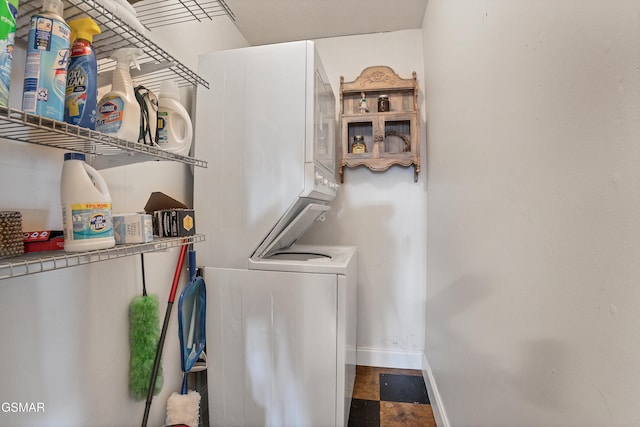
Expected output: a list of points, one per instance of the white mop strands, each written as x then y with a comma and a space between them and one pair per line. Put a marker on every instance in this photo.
183, 409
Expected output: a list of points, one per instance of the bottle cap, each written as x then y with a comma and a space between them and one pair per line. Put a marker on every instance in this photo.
169, 89
84, 28
53, 6
74, 156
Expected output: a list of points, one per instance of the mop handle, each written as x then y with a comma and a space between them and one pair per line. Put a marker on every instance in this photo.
176, 276
163, 334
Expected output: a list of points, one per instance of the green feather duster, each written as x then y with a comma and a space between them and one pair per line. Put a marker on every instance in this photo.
144, 334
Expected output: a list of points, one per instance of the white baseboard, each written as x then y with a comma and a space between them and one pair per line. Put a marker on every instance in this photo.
434, 395
388, 358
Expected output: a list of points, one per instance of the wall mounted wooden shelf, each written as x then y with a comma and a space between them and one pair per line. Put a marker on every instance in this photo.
390, 134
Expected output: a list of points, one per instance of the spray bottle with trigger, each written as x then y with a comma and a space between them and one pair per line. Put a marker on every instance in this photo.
82, 91
118, 111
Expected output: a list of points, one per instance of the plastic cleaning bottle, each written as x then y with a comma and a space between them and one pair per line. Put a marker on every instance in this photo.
8, 14
175, 129
45, 73
86, 206
118, 111
82, 91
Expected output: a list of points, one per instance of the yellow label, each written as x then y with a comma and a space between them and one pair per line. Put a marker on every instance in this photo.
187, 223
358, 148
84, 206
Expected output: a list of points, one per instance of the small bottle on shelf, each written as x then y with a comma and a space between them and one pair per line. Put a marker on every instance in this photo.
358, 146
383, 103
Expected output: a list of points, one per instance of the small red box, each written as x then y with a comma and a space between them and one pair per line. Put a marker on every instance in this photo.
46, 240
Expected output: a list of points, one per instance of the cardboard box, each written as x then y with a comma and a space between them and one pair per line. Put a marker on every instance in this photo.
45, 240
176, 222
171, 218
132, 228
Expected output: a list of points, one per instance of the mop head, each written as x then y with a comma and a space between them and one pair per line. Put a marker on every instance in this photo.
144, 334
183, 409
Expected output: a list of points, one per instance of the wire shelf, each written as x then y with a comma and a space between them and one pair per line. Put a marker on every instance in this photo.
157, 65
20, 126
116, 34
158, 13
38, 262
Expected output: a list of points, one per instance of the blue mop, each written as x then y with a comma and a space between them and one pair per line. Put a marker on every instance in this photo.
183, 409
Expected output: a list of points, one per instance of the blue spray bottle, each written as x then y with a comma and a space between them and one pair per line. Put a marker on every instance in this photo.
82, 91
45, 71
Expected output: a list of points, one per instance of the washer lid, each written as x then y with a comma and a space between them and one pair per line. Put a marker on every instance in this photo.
322, 259
292, 232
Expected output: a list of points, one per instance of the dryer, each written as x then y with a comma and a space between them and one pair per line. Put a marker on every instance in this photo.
281, 317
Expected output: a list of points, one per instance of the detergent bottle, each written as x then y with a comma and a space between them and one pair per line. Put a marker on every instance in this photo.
8, 15
45, 71
175, 129
82, 91
118, 111
86, 206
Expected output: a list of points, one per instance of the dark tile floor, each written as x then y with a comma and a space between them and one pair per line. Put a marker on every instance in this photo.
385, 397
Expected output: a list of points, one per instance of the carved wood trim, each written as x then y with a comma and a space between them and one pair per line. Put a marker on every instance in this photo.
378, 77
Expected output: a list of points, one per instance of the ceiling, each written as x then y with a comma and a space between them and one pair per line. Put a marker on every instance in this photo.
274, 21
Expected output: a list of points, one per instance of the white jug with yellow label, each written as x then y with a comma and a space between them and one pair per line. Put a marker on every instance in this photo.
86, 206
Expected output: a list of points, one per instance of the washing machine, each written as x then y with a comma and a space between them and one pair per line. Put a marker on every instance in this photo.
281, 339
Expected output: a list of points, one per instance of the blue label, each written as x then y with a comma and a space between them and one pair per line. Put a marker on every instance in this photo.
91, 221
81, 93
46, 68
13, 9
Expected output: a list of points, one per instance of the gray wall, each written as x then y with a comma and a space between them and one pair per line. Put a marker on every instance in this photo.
383, 213
533, 303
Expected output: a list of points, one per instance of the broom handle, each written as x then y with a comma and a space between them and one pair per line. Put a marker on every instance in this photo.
163, 334
176, 276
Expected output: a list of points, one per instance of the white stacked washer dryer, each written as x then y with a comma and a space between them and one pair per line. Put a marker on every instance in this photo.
281, 317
